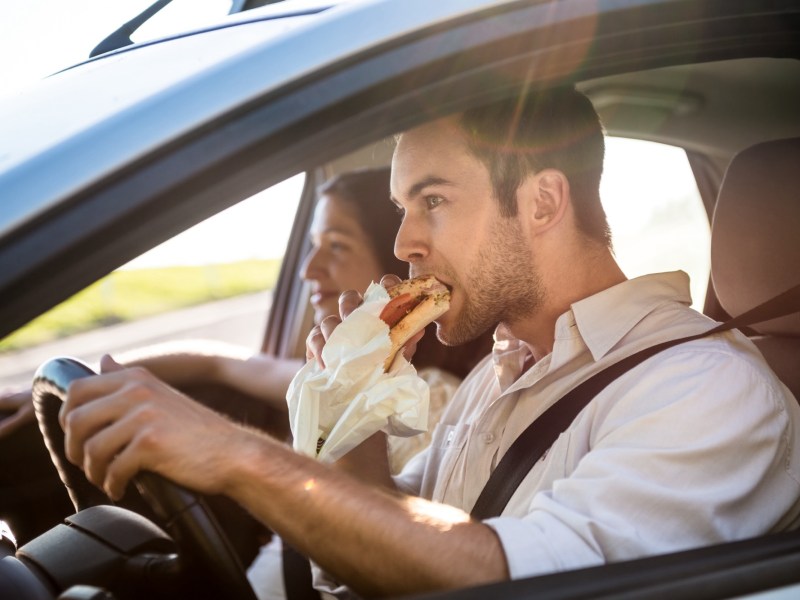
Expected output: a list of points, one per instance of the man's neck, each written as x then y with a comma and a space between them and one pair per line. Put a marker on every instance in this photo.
538, 330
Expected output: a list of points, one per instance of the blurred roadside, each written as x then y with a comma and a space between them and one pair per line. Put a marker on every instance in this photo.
238, 320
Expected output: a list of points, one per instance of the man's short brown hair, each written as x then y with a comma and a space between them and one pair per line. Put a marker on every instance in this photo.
558, 129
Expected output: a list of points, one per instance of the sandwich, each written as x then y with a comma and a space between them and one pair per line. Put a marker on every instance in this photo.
413, 305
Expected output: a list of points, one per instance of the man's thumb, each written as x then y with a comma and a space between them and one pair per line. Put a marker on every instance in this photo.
109, 365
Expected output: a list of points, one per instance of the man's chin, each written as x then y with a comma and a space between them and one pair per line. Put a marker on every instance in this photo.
444, 330
452, 331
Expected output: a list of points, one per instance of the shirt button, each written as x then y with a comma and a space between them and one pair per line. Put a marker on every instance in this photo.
487, 437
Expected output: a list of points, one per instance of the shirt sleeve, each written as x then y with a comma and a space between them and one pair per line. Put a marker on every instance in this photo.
703, 458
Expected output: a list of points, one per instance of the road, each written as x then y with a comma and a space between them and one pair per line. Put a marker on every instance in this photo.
238, 320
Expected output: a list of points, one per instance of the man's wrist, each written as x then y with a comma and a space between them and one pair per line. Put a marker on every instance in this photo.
257, 459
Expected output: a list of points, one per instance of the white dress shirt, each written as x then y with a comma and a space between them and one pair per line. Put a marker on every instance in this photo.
694, 446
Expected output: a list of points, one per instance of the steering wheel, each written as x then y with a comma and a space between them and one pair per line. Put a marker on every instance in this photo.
185, 515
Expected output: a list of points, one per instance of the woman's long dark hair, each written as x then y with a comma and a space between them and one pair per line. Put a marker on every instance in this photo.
367, 191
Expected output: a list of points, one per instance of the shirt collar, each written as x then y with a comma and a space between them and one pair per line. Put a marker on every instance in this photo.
606, 317
508, 355
602, 320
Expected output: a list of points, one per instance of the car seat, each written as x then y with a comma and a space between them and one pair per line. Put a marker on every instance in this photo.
755, 246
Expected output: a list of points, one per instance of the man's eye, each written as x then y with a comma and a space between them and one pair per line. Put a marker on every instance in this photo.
433, 201
400, 210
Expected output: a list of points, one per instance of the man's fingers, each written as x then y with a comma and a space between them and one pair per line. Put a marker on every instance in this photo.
348, 302
87, 389
411, 345
118, 452
109, 365
314, 344
83, 419
121, 470
315, 332
315, 341
388, 281
80, 425
101, 450
328, 325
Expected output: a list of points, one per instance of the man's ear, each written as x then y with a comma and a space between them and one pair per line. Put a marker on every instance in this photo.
550, 198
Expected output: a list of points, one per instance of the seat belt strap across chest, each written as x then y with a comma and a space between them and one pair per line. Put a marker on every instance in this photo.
540, 435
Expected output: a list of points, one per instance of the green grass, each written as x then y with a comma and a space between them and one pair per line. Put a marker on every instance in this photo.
132, 294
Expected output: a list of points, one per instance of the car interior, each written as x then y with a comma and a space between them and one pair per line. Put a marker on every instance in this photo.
737, 122
753, 240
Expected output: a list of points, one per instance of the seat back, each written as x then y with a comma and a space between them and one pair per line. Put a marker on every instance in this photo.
755, 246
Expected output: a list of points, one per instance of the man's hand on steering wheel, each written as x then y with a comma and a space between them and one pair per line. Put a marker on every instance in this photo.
126, 420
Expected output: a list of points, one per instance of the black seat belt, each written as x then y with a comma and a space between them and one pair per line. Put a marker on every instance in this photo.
532, 443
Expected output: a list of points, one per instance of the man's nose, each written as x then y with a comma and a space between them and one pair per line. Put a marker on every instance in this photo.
411, 243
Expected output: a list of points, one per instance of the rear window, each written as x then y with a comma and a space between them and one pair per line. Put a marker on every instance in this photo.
655, 211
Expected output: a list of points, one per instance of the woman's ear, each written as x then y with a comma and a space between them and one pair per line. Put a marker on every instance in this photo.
550, 198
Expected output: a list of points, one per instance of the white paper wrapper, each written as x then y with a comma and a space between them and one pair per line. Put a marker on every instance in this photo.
352, 398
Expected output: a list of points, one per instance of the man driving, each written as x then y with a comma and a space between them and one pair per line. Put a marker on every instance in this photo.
694, 446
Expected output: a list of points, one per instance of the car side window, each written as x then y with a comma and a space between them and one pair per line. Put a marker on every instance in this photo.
212, 282
657, 218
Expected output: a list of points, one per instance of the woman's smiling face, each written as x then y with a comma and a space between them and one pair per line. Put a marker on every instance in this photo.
342, 257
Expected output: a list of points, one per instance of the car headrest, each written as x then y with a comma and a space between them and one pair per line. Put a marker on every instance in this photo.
755, 233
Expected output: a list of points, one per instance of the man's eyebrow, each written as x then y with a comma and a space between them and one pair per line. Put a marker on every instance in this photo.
415, 189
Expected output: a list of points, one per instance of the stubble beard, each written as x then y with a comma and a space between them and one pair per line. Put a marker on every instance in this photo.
503, 286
